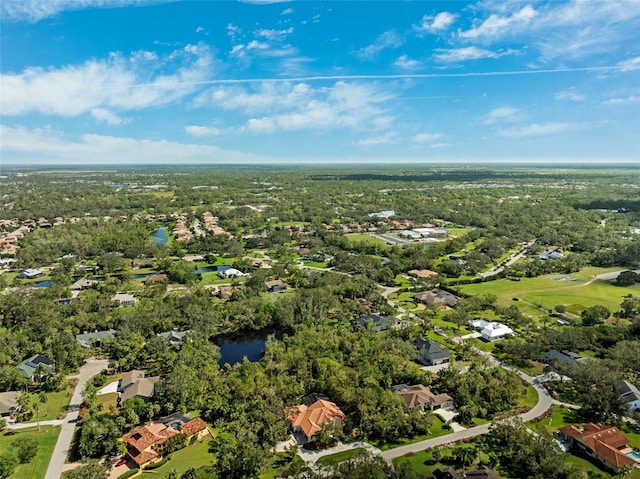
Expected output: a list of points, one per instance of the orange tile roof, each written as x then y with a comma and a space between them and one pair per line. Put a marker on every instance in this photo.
603, 441
419, 394
194, 426
311, 418
144, 437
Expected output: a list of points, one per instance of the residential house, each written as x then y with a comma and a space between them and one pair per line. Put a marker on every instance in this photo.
9, 402
309, 420
490, 330
481, 472
35, 363
174, 337
605, 444
135, 384
275, 285
83, 283
386, 214
422, 397
30, 273
422, 273
95, 339
431, 353
147, 444
629, 395
230, 273
550, 254
157, 279
436, 298
195, 430
376, 322
124, 299
564, 357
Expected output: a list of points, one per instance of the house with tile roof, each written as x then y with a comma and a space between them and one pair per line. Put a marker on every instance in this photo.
147, 443
421, 396
310, 420
195, 430
605, 444
135, 384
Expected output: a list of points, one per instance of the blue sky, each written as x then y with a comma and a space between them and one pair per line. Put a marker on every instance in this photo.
137, 81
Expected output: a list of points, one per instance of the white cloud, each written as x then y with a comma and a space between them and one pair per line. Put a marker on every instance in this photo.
50, 145
296, 106
502, 114
439, 145
426, 137
273, 34
406, 63
388, 39
496, 25
438, 23
630, 100
629, 65
536, 129
202, 131
287, 11
116, 83
569, 94
105, 116
35, 10
468, 53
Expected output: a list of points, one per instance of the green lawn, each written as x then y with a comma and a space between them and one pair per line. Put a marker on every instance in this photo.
529, 398
342, 456
37, 468
197, 455
315, 264
437, 429
57, 402
362, 238
278, 463
424, 465
544, 290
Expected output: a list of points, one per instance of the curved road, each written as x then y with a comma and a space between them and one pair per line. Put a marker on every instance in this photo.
544, 403
60, 452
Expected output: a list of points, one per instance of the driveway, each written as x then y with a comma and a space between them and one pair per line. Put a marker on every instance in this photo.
109, 388
91, 368
310, 457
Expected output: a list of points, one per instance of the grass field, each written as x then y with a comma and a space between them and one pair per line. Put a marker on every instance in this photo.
366, 239
277, 464
544, 290
57, 402
197, 455
424, 465
437, 429
37, 468
342, 456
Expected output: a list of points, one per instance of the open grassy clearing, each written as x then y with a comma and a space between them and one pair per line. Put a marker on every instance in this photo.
544, 290
366, 239
57, 403
196, 456
424, 465
338, 457
438, 428
37, 467
278, 463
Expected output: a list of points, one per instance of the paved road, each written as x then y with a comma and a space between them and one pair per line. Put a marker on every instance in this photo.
25, 425
517, 256
91, 368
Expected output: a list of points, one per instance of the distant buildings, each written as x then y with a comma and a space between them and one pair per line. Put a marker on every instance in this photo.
386, 214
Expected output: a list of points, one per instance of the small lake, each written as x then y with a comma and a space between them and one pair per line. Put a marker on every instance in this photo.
211, 269
43, 284
251, 344
144, 275
160, 236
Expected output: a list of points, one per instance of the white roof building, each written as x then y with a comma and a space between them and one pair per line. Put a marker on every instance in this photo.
490, 330
230, 273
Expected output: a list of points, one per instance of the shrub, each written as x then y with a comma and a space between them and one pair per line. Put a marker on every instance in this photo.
156, 465
130, 473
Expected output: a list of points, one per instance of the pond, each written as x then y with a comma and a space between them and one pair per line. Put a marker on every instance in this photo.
42, 284
144, 275
160, 236
211, 269
249, 344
